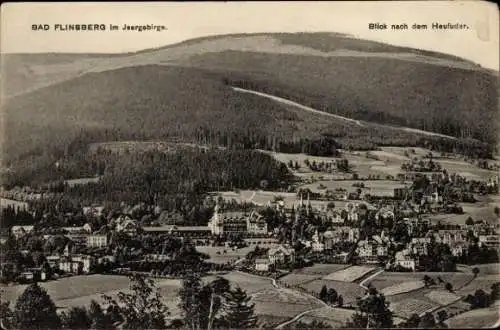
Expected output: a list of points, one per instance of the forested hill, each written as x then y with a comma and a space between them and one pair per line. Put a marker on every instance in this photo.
185, 92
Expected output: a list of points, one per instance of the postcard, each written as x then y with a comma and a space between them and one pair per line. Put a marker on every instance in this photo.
274, 165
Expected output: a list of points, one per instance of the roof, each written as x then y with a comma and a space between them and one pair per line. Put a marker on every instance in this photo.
280, 248
262, 261
169, 228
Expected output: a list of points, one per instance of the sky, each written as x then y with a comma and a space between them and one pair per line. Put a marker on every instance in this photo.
479, 43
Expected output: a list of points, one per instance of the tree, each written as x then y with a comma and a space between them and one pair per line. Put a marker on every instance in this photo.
427, 321
475, 271
448, 286
35, 309
332, 295
469, 221
372, 312
237, 311
442, 316
497, 211
323, 293
340, 301
76, 318
413, 321
6, 316
426, 280
142, 308
315, 324
190, 302
216, 288
99, 320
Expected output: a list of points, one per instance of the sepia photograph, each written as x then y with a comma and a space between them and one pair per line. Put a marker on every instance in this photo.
249, 165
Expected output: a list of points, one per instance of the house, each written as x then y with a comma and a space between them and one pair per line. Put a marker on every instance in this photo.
20, 231
73, 267
256, 224
382, 251
491, 241
97, 240
316, 244
86, 262
404, 259
93, 211
281, 254
263, 265
126, 225
53, 261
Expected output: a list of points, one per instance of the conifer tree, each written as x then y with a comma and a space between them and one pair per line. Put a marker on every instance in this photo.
35, 309
237, 311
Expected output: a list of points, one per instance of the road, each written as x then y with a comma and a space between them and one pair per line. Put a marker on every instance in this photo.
354, 121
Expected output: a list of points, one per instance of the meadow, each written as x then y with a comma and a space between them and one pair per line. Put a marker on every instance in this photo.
349, 291
218, 256
349, 274
475, 319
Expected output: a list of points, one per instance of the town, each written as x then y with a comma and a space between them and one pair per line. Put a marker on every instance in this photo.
332, 244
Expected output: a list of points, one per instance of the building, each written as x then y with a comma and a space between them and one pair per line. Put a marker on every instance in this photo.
404, 259
182, 231
263, 265
97, 240
316, 244
93, 211
491, 241
237, 223
281, 254
256, 224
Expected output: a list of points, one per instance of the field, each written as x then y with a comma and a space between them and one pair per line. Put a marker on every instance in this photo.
407, 307
258, 197
283, 302
483, 282
455, 308
349, 274
488, 269
295, 279
250, 283
336, 317
402, 288
349, 291
222, 258
477, 211
468, 170
309, 274
475, 319
375, 187
80, 290
442, 297
322, 269
388, 279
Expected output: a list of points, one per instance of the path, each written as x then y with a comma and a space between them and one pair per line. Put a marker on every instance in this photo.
298, 316
298, 105
357, 122
362, 283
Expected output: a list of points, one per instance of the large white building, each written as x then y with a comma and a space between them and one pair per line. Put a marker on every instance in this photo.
237, 222
97, 240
